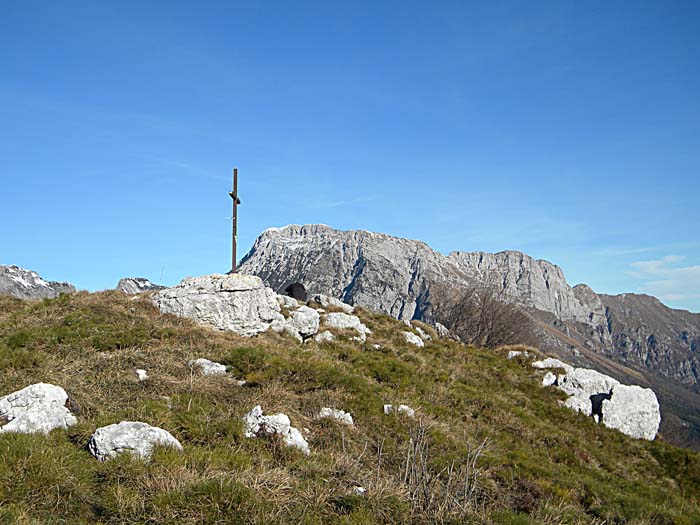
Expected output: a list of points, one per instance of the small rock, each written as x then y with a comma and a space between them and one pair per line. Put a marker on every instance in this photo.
208, 368
134, 437
41, 407
423, 335
324, 337
512, 354
240, 382
442, 330
377, 346
258, 425
305, 321
327, 302
552, 363
287, 301
340, 415
343, 321
549, 379
141, 374
358, 491
401, 409
413, 339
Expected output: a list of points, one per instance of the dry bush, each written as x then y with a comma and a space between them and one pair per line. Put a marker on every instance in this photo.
481, 316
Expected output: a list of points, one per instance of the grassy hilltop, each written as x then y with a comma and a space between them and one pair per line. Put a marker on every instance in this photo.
488, 444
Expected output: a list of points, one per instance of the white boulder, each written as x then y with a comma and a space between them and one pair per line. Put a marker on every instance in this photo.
343, 321
324, 337
550, 362
512, 354
632, 410
423, 335
305, 321
141, 374
340, 415
208, 368
237, 302
41, 407
287, 302
401, 409
258, 425
327, 302
413, 339
549, 379
134, 437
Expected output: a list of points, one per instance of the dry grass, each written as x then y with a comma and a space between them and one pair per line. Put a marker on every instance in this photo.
543, 464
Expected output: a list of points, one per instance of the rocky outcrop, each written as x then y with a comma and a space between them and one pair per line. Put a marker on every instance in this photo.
259, 425
343, 321
413, 339
26, 284
137, 285
238, 303
632, 410
133, 437
37, 408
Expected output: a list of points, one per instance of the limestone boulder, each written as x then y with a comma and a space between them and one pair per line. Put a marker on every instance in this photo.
133, 437
343, 321
305, 321
632, 410
38, 408
237, 302
413, 339
257, 424
339, 415
207, 367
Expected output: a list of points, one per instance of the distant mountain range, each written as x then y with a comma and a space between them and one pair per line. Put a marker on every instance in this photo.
633, 337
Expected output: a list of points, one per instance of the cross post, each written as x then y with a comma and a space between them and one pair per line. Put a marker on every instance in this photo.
236, 201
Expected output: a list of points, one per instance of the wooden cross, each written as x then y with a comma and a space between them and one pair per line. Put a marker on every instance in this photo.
236, 201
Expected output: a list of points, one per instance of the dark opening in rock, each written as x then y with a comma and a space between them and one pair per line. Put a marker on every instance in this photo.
297, 291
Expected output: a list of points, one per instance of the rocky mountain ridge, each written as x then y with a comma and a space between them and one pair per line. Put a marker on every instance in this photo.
629, 334
26, 284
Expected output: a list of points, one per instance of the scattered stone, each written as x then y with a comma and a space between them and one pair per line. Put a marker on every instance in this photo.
137, 285
512, 354
442, 330
259, 425
240, 382
413, 339
377, 346
305, 321
401, 409
632, 410
208, 368
407, 323
340, 415
287, 302
549, 379
41, 407
550, 362
327, 302
236, 302
343, 321
423, 335
134, 437
358, 491
141, 374
324, 337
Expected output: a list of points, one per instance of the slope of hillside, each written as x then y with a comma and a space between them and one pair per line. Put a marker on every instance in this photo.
396, 276
540, 462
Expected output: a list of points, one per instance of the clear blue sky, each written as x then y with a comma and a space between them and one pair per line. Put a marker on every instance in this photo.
567, 130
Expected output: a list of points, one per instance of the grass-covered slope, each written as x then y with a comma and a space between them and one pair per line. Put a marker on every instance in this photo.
488, 443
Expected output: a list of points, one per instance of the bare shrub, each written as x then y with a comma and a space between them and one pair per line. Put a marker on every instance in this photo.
481, 315
448, 492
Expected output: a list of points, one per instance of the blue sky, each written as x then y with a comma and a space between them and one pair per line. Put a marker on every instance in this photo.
567, 130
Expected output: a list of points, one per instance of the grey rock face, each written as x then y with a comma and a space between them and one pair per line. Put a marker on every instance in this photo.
37, 408
134, 437
396, 276
239, 303
136, 285
26, 284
